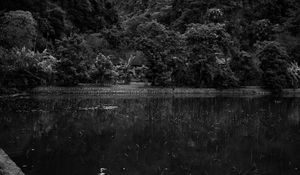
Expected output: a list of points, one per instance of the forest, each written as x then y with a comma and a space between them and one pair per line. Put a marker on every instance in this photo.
180, 43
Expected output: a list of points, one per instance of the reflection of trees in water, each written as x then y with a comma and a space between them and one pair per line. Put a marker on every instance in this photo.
148, 135
72, 142
16, 123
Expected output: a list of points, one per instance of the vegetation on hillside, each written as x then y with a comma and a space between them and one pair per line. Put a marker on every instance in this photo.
195, 43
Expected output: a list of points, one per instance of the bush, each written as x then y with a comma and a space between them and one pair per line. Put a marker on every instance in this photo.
67, 74
103, 70
225, 78
125, 71
294, 72
23, 69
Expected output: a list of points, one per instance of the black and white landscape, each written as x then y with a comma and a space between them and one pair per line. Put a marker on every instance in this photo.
149, 87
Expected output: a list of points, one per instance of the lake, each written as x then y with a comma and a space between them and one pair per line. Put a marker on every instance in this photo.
152, 135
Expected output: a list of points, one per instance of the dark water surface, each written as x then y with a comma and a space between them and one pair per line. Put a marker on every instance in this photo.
79, 135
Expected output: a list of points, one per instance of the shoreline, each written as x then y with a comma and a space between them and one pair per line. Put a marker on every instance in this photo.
129, 90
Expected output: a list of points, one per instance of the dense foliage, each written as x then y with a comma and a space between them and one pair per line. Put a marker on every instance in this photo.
18, 29
209, 49
162, 47
22, 68
198, 43
275, 63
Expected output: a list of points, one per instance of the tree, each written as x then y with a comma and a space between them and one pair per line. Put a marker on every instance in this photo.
80, 62
55, 23
18, 29
274, 64
260, 30
76, 58
22, 69
103, 70
161, 47
210, 49
215, 15
61, 15
246, 68
131, 24
90, 15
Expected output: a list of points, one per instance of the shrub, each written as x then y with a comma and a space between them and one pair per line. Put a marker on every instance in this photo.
294, 72
225, 78
24, 69
125, 71
140, 72
67, 74
103, 70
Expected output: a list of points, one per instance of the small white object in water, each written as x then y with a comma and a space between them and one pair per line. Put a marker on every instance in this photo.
109, 107
89, 109
102, 171
98, 107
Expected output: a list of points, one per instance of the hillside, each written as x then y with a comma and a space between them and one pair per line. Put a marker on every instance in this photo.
194, 43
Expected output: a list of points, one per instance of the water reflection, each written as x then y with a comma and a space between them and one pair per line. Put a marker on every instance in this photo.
210, 136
